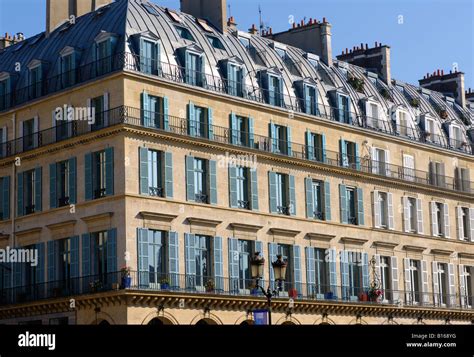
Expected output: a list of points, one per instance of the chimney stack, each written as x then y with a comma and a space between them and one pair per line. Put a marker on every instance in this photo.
446, 83
214, 11
10, 40
58, 11
377, 58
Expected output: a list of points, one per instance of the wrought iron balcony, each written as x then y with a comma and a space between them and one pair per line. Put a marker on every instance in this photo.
155, 191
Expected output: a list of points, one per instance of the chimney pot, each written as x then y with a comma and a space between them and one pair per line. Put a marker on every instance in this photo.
324, 20
376, 44
294, 25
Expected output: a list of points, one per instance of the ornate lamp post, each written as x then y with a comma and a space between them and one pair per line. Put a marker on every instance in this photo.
257, 264
374, 289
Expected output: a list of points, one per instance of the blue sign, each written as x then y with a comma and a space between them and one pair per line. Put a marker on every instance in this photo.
260, 317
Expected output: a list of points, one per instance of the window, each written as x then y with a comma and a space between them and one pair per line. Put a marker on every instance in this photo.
200, 121
466, 282
201, 180
465, 223
5, 198
174, 15
245, 42
275, 91
203, 260
439, 219
316, 146
311, 100
413, 281
462, 179
351, 205
242, 177
349, 154
235, 80
413, 215
318, 199
456, 137
98, 107
430, 129
62, 181
99, 174
355, 274
36, 78
436, 174
286, 252
99, 256
184, 33
380, 162
150, 9
245, 252
343, 108
154, 173
5, 93
440, 272
281, 139
29, 192
282, 193
30, 139
321, 271
409, 167
215, 42
373, 118
154, 113
194, 69
64, 262
157, 256
386, 278
281, 197
68, 70
241, 130
149, 56
383, 210
403, 128
104, 57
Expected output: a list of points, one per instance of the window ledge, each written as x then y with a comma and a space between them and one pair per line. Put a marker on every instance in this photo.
414, 248
442, 251
354, 241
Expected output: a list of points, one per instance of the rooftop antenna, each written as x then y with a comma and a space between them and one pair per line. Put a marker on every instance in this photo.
261, 22
229, 10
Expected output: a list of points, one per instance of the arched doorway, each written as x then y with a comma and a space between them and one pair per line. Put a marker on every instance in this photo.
160, 321
288, 323
247, 322
104, 323
206, 322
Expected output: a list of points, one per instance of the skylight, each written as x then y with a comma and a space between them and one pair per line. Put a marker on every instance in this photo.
184, 33
174, 15
204, 25
150, 9
215, 42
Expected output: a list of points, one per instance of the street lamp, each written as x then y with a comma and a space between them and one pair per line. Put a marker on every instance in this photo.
279, 269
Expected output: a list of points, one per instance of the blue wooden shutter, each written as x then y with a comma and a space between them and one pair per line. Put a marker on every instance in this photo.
288, 141
40, 267
166, 120
143, 264
251, 133
348, 113
233, 187
212, 182
234, 131
144, 186
6, 197
72, 180
360, 207
109, 171
274, 141
112, 254
345, 274
344, 160
272, 256
310, 272
308, 182
343, 203
307, 98
327, 201
88, 179
365, 271
192, 122
187, 67
357, 158
341, 114
17, 274
309, 145
168, 171
297, 269
210, 125
272, 191
323, 148
254, 189
173, 254
38, 190
189, 242
146, 110
292, 194
218, 264
75, 257
20, 206
233, 265
281, 97
51, 247
53, 198
86, 260
190, 196
202, 69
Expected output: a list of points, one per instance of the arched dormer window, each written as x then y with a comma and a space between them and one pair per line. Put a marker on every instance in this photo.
342, 105
375, 117
308, 93
35, 78
192, 57
147, 44
69, 63
272, 85
233, 70
102, 52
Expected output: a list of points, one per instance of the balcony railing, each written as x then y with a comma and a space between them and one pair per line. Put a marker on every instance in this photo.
198, 284
178, 74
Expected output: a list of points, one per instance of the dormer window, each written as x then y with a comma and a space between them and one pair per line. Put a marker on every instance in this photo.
403, 124
149, 56
455, 134
35, 79
215, 42
5, 91
309, 96
184, 33
373, 115
312, 59
272, 83
342, 111
68, 64
245, 42
233, 71
194, 66
150, 9
102, 52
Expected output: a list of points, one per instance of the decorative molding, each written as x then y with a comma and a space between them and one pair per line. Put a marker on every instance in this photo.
414, 248
320, 236
441, 252
384, 244
245, 227
62, 229
353, 241
97, 222
154, 216
283, 232
203, 222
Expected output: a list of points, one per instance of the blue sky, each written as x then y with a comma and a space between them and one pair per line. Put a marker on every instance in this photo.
434, 33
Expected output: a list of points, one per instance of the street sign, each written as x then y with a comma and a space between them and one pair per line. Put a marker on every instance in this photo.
260, 317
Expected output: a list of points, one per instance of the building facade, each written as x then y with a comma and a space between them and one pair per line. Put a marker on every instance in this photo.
178, 147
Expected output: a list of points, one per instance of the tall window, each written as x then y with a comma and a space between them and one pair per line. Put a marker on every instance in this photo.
201, 121
382, 201
467, 293
154, 173
321, 271
316, 147
380, 162
99, 255
241, 128
349, 154
29, 140
403, 124
157, 255
148, 57
29, 191
281, 197
436, 171
415, 281
99, 174
351, 206
35, 82
385, 278
203, 260
318, 204
374, 120
98, 106
409, 167
193, 69
245, 252
200, 176
412, 209
465, 223
64, 261
286, 252
242, 177
68, 70
274, 90
311, 100
104, 57
62, 182
4, 94
355, 274
234, 80
442, 276
280, 139
439, 217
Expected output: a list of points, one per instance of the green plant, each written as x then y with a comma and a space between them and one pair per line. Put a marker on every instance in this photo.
125, 271
210, 285
356, 83
165, 281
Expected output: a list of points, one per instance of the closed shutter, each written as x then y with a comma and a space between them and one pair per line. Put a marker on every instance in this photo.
75, 258
406, 215
376, 209
273, 137
258, 247
146, 110
234, 130
53, 198
20, 195
447, 229
190, 256
212, 182
307, 98
394, 269
72, 179
254, 189
173, 256
166, 120
327, 200
251, 133
218, 264
86, 261
344, 160
345, 274
168, 174
424, 280
343, 203
233, 265
462, 286
309, 197
36, 131
391, 221
309, 145
233, 187
357, 157
6, 197
272, 191
210, 125
360, 207
272, 256
144, 185
190, 194
112, 254
109, 171
452, 286
471, 223
365, 271
408, 296
106, 108
288, 141
297, 269
460, 223
310, 272
38, 190
341, 113
323, 148
51, 248
40, 278
419, 216
292, 195
436, 282
192, 122
143, 263
88, 179
434, 219
333, 272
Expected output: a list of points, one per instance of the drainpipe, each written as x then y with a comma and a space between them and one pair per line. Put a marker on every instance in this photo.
12, 196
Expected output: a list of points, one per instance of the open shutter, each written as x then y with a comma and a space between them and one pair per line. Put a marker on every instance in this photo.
6, 197
258, 247
333, 272
273, 137
310, 272
112, 251
210, 125
254, 189
459, 221
344, 160
343, 203
340, 105
51, 247
88, 179
212, 182
419, 216
471, 223
365, 271
272, 255
173, 254
190, 196
146, 110
360, 207
435, 278
166, 122
309, 145
394, 268
376, 209
452, 286
345, 274
434, 219
234, 130
251, 132
20, 203
72, 180
424, 280
75, 257
192, 122
288, 141
40, 278
447, 229
297, 269
86, 260
308, 181
323, 148
357, 157
36, 131
109, 171
233, 265
406, 215
144, 186
53, 199
408, 296
143, 263
391, 221
462, 286
233, 187
327, 200
189, 242
38, 189
168, 173
272, 191
218, 264
292, 194
106, 108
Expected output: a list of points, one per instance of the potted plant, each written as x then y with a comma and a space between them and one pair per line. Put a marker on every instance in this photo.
126, 278
210, 286
443, 113
356, 83
95, 286
374, 294
414, 102
363, 297
164, 284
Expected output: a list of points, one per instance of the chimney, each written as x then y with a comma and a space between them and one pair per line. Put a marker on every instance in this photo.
376, 58
447, 83
232, 24
10, 40
253, 30
58, 11
469, 96
214, 11
313, 37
